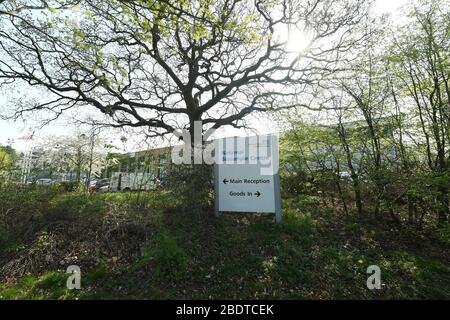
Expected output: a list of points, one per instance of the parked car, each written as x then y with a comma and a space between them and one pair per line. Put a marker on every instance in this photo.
344, 175
99, 185
133, 182
44, 182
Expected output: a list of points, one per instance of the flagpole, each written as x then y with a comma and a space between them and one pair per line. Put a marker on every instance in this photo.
27, 158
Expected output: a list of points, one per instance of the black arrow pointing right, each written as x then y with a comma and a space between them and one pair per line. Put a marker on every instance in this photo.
257, 194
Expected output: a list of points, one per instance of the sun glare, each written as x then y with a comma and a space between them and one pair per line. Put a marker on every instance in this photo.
297, 41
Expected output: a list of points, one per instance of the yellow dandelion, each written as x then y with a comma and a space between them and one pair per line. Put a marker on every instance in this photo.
360, 261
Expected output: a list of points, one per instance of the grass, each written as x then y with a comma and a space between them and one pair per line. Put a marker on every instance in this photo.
169, 259
51, 285
137, 247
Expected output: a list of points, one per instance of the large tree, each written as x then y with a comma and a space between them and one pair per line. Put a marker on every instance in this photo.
162, 65
14, 7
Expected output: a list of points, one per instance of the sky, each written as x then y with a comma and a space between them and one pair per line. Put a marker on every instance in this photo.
389, 6
10, 130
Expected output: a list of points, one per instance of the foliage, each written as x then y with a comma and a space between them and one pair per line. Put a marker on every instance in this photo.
169, 259
74, 157
51, 285
21, 207
368, 186
127, 250
383, 150
8, 164
162, 66
192, 186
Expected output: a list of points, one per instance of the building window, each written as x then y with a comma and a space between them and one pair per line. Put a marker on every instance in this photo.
132, 165
141, 163
149, 166
161, 166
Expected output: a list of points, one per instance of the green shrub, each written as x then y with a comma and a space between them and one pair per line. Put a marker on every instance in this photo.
297, 223
10, 294
443, 233
69, 186
21, 209
53, 281
192, 184
75, 205
98, 275
170, 260
303, 203
51, 285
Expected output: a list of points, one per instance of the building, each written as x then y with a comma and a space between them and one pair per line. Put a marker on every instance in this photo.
141, 170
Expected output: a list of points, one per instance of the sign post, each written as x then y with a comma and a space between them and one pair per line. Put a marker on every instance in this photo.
246, 175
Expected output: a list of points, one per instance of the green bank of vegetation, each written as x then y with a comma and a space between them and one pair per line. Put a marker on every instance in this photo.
141, 246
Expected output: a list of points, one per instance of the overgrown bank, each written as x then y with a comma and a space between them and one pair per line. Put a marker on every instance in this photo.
140, 246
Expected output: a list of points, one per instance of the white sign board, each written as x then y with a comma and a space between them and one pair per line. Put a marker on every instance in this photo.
246, 175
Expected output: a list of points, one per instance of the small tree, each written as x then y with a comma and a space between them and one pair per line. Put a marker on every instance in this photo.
8, 163
421, 65
81, 153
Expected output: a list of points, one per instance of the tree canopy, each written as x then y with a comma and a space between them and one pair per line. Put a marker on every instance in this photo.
162, 65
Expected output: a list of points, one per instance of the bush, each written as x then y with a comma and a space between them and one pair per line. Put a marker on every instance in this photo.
21, 208
51, 285
193, 184
443, 233
303, 203
170, 260
69, 186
